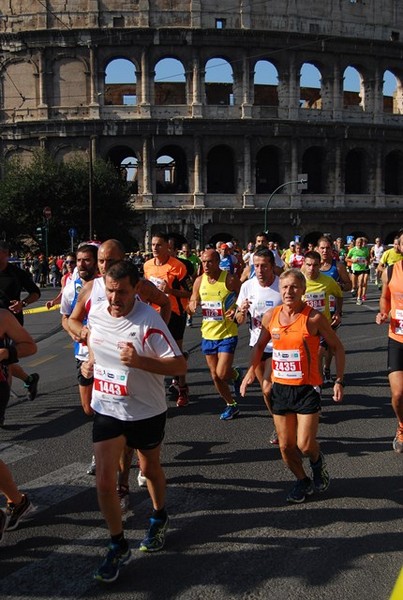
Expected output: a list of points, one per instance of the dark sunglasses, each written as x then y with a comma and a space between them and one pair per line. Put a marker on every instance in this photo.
70, 262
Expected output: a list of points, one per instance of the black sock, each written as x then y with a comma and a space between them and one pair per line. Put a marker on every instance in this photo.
161, 514
120, 539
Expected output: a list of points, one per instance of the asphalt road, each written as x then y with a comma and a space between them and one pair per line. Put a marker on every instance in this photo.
232, 535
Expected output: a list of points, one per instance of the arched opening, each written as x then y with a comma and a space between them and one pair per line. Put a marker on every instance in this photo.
394, 173
391, 91
390, 237
267, 170
313, 164
220, 171
126, 161
310, 87
219, 82
169, 82
265, 82
311, 238
353, 92
356, 181
120, 83
171, 171
358, 233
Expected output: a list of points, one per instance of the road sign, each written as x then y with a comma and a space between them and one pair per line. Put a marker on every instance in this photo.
73, 232
47, 212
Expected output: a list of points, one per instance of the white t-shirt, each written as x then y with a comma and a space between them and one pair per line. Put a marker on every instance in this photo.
97, 294
68, 301
121, 392
378, 251
261, 299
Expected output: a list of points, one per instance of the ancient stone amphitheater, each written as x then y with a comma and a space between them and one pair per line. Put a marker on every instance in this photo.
203, 155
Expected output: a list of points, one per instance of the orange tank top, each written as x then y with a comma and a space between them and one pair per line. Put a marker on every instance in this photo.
396, 303
295, 351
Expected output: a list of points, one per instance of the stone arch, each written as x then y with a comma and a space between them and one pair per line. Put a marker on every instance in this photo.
219, 82
310, 86
171, 170
69, 82
392, 92
25, 156
220, 170
313, 163
265, 83
127, 161
268, 161
311, 238
389, 238
353, 88
169, 82
393, 173
19, 85
222, 236
355, 172
120, 83
65, 153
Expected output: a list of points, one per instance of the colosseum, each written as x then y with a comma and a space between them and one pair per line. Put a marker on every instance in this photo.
210, 158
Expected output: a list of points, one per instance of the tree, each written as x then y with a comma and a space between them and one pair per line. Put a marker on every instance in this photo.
26, 189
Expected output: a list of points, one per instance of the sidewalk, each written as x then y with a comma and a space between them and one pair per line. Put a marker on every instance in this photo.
42, 325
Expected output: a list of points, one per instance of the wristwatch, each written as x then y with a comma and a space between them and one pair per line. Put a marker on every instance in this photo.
340, 382
24, 303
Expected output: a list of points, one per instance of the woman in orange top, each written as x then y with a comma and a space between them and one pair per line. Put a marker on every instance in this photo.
295, 330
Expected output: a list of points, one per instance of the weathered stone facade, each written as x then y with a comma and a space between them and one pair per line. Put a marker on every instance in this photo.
231, 144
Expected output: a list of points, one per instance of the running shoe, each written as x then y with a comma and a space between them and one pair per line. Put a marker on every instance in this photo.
237, 382
110, 567
173, 390
364, 298
273, 438
230, 412
141, 480
155, 538
300, 490
189, 321
3, 524
320, 475
92, 468
16, 512
31, 384
353, 293
359, 302
398, 441
124, 497
183, 398
326, 376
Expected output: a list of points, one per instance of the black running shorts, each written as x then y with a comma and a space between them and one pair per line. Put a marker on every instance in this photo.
80, 377
177, 326
301, 399
145, 434
395, 355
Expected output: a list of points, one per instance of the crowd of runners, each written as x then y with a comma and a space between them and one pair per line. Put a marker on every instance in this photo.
128, 314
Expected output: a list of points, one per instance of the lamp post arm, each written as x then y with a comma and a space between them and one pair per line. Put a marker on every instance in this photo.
275, 192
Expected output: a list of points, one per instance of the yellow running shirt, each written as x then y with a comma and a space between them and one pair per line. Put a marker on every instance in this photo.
216, 299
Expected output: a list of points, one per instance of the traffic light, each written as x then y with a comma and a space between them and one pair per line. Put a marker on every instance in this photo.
39, 235
196, 233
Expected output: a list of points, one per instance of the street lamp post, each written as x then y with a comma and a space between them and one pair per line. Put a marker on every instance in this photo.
47, 214
90, 190
302, 181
